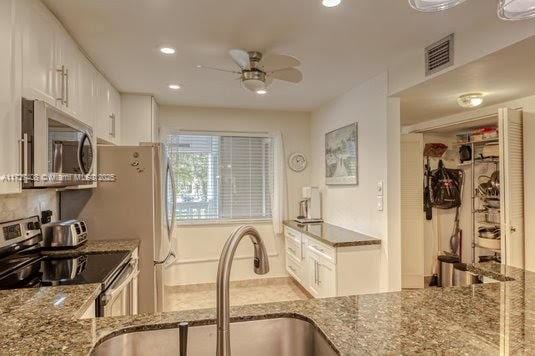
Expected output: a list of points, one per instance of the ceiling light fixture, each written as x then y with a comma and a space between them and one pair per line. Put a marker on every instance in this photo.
167, 50
331, 3
516, 9
433, 5
507, 9
261, 91
174, 86
470, 100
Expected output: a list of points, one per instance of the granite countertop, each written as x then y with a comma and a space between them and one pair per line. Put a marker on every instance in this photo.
98, 246
333, 235
494, 318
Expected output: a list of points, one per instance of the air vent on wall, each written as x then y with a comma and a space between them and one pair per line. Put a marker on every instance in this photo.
439, 55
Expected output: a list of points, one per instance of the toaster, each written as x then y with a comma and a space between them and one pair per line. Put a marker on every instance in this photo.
64, 234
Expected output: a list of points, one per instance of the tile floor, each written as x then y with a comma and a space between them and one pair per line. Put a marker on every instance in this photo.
254, 291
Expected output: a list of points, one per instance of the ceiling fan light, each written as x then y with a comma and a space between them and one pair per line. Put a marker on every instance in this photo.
331, 3
434, 5
516, 9
254, 85
470, 100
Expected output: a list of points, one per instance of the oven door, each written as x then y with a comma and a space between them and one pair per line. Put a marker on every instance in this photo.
120, 298
58, 151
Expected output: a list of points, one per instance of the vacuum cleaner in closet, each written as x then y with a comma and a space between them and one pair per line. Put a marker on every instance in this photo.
443, 190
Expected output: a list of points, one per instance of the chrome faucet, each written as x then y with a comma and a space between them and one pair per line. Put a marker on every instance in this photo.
261, 266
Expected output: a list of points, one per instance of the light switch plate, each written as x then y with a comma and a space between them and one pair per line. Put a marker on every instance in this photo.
379, 203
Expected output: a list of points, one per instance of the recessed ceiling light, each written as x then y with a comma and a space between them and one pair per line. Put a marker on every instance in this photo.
331, 3
167, 50
471, 100
174, 86
261, 91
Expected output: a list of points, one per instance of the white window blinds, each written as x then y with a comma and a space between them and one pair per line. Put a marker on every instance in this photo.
222, 177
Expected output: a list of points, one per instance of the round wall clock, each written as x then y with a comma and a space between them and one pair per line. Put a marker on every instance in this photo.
297, 162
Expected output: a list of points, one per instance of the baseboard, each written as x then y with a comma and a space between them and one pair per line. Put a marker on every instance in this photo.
412, 281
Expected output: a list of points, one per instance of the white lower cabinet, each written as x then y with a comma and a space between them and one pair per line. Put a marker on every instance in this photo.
326, 271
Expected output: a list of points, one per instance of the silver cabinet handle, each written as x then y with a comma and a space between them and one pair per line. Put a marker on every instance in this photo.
293, 269
512, 229
61, 72
112, 131
66, 87
292, 250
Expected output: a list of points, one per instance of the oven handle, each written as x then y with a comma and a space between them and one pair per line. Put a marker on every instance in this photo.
118, 286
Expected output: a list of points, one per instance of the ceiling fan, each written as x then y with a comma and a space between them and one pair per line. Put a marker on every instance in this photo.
507, 9
257, 72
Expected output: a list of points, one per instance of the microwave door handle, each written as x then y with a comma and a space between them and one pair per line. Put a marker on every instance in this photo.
24, 155
57, 162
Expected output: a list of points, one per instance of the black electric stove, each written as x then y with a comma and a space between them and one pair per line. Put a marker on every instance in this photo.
23, 265
37, 270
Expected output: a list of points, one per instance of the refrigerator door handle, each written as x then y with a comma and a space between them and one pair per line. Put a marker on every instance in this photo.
171, 226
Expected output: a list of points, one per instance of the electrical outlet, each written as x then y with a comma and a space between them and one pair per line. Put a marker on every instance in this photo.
379, 203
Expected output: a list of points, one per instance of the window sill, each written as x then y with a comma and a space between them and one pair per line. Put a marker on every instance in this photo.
222, 222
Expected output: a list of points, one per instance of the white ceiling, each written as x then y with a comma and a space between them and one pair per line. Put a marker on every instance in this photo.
339, 47
501, 76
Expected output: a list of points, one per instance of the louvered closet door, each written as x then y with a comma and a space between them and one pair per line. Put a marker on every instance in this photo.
512, 186
412, 215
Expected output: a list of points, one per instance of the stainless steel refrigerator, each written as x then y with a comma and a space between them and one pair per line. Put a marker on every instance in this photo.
140, 204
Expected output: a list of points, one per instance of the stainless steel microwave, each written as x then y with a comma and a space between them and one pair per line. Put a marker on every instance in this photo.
57, 149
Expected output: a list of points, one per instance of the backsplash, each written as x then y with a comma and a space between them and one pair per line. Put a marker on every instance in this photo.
28, 203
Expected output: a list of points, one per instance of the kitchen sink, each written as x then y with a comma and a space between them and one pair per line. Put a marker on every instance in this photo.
267, 337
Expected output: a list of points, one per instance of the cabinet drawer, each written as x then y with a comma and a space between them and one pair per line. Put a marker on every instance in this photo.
293, 248
292, 234
326, 252
295, 269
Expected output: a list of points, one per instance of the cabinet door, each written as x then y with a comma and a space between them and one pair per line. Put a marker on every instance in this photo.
312, 268
512, 186
39, 56
327, 279
69, 61
10, 92
86, 77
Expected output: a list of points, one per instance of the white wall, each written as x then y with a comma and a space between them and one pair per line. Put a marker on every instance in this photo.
355, 207
470, 44
199, 246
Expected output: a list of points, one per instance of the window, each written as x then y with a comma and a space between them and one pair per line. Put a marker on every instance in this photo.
222, 177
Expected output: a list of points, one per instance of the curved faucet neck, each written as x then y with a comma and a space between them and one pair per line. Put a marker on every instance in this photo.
261, 266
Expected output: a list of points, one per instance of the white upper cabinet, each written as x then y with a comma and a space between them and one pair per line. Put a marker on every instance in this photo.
10, 92
86, 86
68, 64
56, 71
39, 31
140, 119
107, 122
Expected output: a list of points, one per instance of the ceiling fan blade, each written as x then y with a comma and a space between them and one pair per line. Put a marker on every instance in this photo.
273, 62
218, 69
289, 75
241, 58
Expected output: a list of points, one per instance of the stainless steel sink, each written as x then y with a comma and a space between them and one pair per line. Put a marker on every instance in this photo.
268, 337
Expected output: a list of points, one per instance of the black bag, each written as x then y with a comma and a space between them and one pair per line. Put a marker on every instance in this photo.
446, 187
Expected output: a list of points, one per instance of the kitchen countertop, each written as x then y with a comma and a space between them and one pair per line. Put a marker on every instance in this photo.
332, 235
98, 246
489, 319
